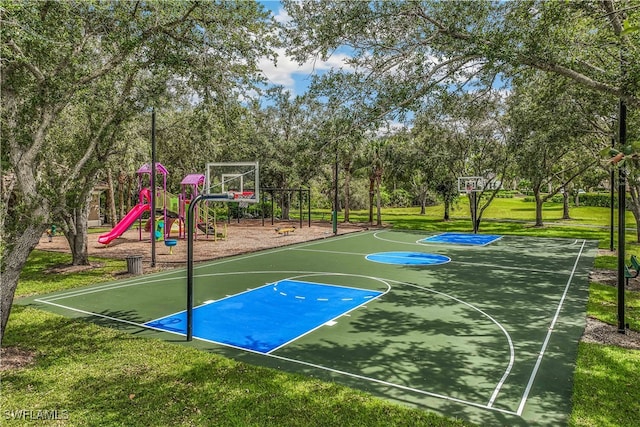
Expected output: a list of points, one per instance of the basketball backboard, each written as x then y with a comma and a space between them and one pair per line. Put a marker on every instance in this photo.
238, 180
471, 184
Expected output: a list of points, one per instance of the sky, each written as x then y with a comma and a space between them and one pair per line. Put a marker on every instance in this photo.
289, 73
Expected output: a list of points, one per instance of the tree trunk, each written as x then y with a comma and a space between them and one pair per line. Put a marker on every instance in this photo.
77, 236
122, 194
111, 200
565, 205
372, 183
286, 204
634, 205
539, 202
447, 208
14, 260
127, 193
347, 194
378, 205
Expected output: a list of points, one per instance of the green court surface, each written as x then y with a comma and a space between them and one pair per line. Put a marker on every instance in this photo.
490, 336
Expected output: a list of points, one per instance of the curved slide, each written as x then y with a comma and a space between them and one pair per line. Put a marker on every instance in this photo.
125, 223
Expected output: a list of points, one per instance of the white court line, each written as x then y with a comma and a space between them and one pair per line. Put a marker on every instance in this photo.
430, 242
300, 275
507, 267
129, 282
548, 337
346, 313
471, 264
512, 354
394, 385
399, 386
327, 252
104, 316
561, 241
143, 280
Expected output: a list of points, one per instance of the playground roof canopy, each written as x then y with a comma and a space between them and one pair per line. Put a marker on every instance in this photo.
193, 178
146, 168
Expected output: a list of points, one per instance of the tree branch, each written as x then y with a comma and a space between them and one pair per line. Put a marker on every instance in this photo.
30, 66
581, 78
612, 16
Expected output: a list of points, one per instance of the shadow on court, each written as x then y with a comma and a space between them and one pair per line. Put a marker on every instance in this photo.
490, 336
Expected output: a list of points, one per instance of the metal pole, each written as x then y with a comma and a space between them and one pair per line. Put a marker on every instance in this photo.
153, 187
612, 201
334, 220
309, 206
621, 218
191, 229
475, 212
300, 202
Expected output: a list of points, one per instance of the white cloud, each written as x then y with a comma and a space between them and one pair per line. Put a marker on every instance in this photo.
281, 16
287, 72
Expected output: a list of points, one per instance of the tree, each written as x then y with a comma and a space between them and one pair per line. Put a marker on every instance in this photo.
376, 153
287, 158
419, 44
406, 50
463, 135
551, 139
54, 53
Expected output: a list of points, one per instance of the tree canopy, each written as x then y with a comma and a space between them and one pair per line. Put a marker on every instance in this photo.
105, 61
79, 80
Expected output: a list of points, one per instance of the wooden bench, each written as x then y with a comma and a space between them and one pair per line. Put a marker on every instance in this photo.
285, 230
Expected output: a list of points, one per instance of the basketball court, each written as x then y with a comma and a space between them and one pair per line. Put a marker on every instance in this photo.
483, 328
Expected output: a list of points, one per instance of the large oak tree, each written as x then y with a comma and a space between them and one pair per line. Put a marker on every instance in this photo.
56, 54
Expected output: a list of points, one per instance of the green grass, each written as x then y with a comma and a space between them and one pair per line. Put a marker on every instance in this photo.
603, 303
39, 276
105, 377
514, 209
605, 389
102, 377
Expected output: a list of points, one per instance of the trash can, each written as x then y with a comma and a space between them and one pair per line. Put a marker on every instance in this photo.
134, 264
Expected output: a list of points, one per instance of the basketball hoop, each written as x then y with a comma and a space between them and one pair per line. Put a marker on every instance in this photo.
470, 187
241, 180
471, 184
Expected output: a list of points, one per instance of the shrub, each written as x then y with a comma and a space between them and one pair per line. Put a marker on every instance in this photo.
400, 198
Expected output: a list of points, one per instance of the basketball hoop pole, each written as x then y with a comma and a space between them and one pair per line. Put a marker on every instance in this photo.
474, 216
191, 230
472, 185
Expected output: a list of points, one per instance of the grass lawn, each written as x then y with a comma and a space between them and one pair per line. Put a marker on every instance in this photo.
99, 376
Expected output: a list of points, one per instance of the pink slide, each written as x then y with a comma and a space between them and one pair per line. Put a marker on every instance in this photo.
123, 225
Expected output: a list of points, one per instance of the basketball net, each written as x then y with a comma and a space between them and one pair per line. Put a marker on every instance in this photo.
470, 186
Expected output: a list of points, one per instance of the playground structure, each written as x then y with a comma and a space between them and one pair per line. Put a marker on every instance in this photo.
191, 186
234, 182
164, 203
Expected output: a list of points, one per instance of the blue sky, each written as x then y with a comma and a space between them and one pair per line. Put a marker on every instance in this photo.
288, 73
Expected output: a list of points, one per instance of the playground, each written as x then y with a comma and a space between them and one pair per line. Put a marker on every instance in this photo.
248, 235
485, 326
